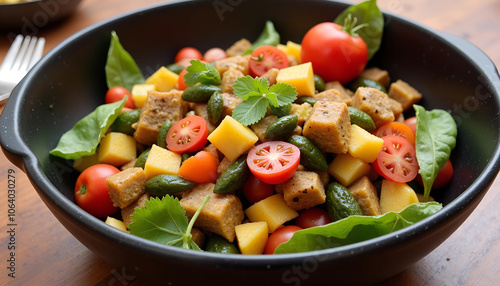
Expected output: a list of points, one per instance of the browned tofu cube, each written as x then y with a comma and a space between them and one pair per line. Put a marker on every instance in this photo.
271, 75
302, 111
344, 93
228, 79
405, 94
376, 74
366, 195
260, 127
396, 107
198, 237
200, 109
229, 103
374, 102
159, 106
130, 209
304, 190
126, 186
329, 126
238, 62
224, 163
332, 95
239, 48
221, 213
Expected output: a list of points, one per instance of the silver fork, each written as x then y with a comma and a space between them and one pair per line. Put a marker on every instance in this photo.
22, 55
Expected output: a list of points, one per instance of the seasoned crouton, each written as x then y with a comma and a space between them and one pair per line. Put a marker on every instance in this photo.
344, 93
239, 48
159, 106
396, 107
200, 109
228, 79
128, 165
332, 95
302, 111
366, 195
130, 209
238, 62
376, 74
229, 103
224, 163
404, 93
329, 126
198, 237
260, 127
304, 190
126, 186
271, 75
221, 213
374, 102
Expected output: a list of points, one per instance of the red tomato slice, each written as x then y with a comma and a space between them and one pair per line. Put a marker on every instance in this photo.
273, 162
187, 135
397, 129
397, 161
265, 58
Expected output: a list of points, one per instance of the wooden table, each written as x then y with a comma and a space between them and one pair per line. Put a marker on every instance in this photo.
47, 254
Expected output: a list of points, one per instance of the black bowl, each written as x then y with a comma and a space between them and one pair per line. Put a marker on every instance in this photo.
69, 82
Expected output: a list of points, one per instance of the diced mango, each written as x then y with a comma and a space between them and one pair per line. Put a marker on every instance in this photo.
163, 79
300, 76
252, 237
232, 138
294, 49
116, 223
84, 162
394, 197
346, 169
364, 145
140, 93
117, 149
162, 161
272, 210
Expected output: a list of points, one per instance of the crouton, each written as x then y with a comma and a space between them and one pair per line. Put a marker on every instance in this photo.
344, 93
224, 163
329, 126
198, 237
200, 109
365, 194
126, 186
375, 103
302, 111
130, 209
228, 79
304, 190
239, 48
260, 127
159, 106
376, 74
221, 213
332, 95
404, 93
271, 75
238, 62
396, 107
229, 103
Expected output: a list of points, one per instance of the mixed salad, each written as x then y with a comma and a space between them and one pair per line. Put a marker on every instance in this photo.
263, 146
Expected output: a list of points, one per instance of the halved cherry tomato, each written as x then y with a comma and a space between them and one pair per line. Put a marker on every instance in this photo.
397, 161
313, 217
282, 234
187, 135
91, 192
265, 58
200, 168
117, 93
180, 82
443, 177
214, 54
412, 123
273, 162
255, 190
398, 129
189, 53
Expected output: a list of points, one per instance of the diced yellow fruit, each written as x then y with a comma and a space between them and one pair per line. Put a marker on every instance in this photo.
294, 49
163, 79
140, 93
117, 149
252, 237
272, 210
281, 47
116, 223
83, 163
300, 76
394, 197
346, 169
162, 161
232, 138
364, 145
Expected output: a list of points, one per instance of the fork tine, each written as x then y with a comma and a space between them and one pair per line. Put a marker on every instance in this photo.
37, 53
12, 53
28, 54
22, 53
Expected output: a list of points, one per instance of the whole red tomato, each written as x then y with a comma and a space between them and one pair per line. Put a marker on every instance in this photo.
91, 192
189, 53
117, 93
282, 234
335, 54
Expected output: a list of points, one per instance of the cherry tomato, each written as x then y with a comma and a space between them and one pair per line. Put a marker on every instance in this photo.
397, 161
117, 93
398, 129
187, 135
189, 53
200, 168
91, 192
335, 54
412, 123
273, 162
180, 82
265, 58
214, 54
443, 177
282, 234
255, 190
313, 217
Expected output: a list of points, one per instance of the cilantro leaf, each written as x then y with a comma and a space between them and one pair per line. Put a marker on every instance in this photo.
247, 86
287, 93
165, 221
201, 72
251, 110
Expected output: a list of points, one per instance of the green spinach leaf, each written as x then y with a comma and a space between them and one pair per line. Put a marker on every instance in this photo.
268, 37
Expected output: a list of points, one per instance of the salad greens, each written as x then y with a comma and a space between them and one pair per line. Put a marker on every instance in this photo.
269, 36
84, 137
435, 139
203, 73
356, 229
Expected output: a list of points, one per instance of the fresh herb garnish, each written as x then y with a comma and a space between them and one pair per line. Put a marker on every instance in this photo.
165, 221
258, 96
268, 37
203, 73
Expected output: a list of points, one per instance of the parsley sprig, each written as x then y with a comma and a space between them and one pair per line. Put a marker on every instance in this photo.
199, 72
257, 96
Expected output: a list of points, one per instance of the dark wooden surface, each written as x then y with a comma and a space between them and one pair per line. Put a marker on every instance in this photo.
47, 254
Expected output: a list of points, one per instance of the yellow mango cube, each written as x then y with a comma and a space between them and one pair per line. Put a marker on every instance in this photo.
161, 161
252, 237
163, 79
294, 49
140, 93
394, 197
364, 145
232, 138
346, 169
300, 76
116, 223
117, 149
273, 210
84, 162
